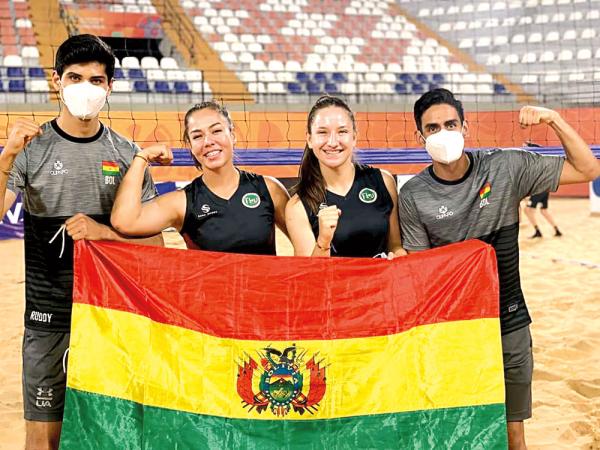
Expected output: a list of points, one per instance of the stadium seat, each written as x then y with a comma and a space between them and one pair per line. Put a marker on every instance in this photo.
15, 72
276, 88
155, 74
584, 53
121, 86
547, 56
149, 62
332, 88
119, 74
200, 87
182, 87
16, 86
295, 88
141, 86
36, 72
13, 61
400, 88
136, 74
38, 86
162, 87
193, 75
175, 75
130, 62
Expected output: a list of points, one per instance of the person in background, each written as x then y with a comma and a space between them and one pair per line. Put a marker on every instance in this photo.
539, 199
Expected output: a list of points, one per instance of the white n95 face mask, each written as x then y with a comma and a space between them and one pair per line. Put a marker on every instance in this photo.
445, 146
84, 100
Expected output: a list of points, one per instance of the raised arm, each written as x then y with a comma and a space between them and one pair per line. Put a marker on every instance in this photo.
132, 217
581, 164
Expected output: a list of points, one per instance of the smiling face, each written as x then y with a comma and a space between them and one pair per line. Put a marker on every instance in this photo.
210, 138
332, 136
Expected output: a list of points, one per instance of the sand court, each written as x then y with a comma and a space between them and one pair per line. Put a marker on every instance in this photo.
561, 280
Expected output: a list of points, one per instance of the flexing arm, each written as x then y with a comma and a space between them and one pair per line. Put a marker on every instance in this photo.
581, 164
280, 197
394, 241
131, 217
22, 132
300, 231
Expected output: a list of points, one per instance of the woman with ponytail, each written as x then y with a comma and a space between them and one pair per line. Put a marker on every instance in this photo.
339, 207
225, 209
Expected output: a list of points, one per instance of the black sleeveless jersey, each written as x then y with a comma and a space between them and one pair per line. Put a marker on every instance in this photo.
243, 224
363, 227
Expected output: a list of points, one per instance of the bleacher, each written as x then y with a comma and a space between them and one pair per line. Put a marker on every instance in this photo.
21, 77
157, 81
374, 50
357, 48
550, 47
119, 6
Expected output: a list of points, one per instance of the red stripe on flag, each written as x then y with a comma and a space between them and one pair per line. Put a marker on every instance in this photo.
287, 298
110, 163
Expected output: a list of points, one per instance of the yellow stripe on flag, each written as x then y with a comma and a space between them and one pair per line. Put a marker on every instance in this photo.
128, 356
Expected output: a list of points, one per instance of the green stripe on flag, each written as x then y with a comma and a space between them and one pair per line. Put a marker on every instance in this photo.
93, 421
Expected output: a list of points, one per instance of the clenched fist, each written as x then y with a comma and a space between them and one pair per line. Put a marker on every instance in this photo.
81, 226
159, 153
328, 220
534, 115
21, 133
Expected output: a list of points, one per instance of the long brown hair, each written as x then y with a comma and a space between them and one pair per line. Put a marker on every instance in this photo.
212, 105
311, 185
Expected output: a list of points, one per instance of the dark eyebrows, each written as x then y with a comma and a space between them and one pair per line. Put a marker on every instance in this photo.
198, 130
451, 122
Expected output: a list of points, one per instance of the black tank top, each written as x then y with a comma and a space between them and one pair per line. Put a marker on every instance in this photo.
243, 224
363, 227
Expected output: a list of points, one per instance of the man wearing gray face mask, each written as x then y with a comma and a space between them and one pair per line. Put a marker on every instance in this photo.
68, 171
476, 196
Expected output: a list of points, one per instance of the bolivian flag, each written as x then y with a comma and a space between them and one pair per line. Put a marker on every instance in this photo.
174, 349
110, 168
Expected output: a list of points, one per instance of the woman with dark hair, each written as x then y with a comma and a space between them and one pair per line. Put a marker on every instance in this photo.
225, 209
340, 208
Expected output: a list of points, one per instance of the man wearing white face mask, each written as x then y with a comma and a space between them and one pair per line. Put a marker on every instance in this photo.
68, 171
476, 195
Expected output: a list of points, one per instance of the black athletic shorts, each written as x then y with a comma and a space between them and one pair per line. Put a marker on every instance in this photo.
518, 372
539, 198
44, 375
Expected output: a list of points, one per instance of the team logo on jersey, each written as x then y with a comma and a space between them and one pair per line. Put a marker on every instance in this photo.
205, 208
484, 193
251, 200
110, 170
281, 386
367, 195
58, 168
443, 212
